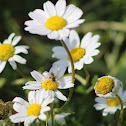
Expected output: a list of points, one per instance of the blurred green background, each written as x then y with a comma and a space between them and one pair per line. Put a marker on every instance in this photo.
106, 18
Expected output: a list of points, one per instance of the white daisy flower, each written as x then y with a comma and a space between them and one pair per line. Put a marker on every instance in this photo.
8, 52
110, 105
36, 108
107, 86
81, 52
58, 118
55, 20
50, 81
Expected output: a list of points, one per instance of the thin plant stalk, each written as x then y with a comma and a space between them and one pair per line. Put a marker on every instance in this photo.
18, 70
73, 75
87, 75
52, 113
120, 120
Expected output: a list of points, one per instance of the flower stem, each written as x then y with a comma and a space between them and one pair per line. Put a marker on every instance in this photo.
52, 113
73, 75
18, 70
87, 75
120, 120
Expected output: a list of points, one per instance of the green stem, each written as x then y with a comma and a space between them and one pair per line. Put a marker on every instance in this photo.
73, 76
87, 75
52, 113
18, 70
120, 120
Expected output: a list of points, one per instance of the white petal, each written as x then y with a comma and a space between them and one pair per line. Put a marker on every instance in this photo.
19, 59
32, 86
47, 101
60, 7
45, 109
72, 13
79, 64
74, 39
12, 63
29, 120
37, 76
49, 8
100, 106
65, 82
53, 35
60, 120
9, 40
85, 40
60, 96
21, 101
17, 118
2, 65
40, 30
33, 23
63, 33
42, 117
38, 15
88, 60
57, 71
22, 46
20, 108
16, 40
59, 52
64, 114
75, 24
100, 100
40, 95
20, 50
32, 97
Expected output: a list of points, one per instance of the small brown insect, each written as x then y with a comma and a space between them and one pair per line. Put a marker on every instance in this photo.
53, 77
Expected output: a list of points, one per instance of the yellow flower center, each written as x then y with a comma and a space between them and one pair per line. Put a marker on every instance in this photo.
49, 84
55, 23
77, 53
104, 85
34, 109
6, 51
113, 102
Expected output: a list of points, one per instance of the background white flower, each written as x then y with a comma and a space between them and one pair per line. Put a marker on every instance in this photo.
50, 81
81, 52
8, 52
36, 108
107, 86
55, 20
59, 118
110, 105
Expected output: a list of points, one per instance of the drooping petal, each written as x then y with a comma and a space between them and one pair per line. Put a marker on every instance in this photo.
12, 63
19, 59
60, 96
2, 65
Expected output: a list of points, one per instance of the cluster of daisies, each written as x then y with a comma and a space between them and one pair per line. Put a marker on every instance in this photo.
111, 95
55, 22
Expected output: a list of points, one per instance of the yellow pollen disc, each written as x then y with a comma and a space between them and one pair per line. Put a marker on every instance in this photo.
113, 102
34, 109
55, 23
6, 51
104, 85
77, 53
49, 84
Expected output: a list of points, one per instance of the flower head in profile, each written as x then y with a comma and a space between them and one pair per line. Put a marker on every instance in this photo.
55, 20
36, 108
81, 52
110, 105
107, 87
50, 81
9, 52
58, 118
